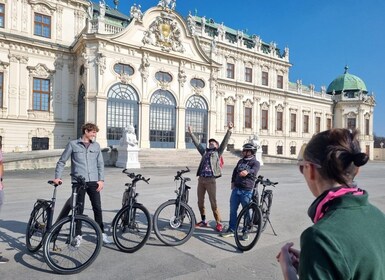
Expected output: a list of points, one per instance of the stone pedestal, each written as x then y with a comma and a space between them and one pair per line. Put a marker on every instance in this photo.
127, 157
258, 156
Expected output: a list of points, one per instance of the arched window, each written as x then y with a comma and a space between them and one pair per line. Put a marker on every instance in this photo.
196, 117
197, 83
163, 76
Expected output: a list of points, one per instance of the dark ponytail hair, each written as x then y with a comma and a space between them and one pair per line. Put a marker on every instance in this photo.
338, 153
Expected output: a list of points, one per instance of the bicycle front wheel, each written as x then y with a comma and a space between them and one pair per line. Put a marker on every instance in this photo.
72, 248
265, 208
248, 227
131, 228
174, 224
37, 227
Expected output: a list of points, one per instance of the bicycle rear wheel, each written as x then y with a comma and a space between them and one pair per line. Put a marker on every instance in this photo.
174, 229
37, 227
66, 254
265, 208
131, 228
248, 227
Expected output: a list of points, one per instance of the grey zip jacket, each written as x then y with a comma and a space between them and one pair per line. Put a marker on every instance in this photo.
85, 162
214, 157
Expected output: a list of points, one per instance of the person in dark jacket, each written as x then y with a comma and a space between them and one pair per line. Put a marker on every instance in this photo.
242, 183
347, 240
209, 169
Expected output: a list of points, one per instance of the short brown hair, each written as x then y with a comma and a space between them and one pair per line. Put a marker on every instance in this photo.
89, 127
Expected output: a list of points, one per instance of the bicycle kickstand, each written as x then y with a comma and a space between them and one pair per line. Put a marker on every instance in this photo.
272, 227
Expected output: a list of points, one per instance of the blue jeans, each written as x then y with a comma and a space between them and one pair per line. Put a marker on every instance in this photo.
238, 196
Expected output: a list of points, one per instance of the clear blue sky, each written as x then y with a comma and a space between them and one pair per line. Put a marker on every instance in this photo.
323, 36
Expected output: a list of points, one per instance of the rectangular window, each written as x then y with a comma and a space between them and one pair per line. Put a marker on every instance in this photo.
2, 15
366, 126
292, 150
265, 119
352, 123
328, 123
279, 81
1, 89
40, 143
248, 117
230, 70
265, 78
248, 74
230, 114
317, 124
42, 25
279, 150
306, 123
293, 122
265, 149
279, 121
41, 94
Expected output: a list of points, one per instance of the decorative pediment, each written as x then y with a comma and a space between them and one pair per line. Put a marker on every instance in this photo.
230, 100
164, 32
40, 71
351, 115
248, 103
265, 106
42, 7
279, 108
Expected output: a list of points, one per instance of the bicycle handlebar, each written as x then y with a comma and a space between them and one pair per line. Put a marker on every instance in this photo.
135, 177
266, 182
79, 179
180, 173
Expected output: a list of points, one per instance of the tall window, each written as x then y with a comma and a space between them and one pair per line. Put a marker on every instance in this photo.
42, 25
366, 126
279, 121
1, 89
265, 149
248, 117
279, 81
279, 150
2, 15
328, 123
230, 113
265, 119
293, 122
265, 78
248, 74
306, 123
317, 124
351, 123
292, 150
230, 71
41, 94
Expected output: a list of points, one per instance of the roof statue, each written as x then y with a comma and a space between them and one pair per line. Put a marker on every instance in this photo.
167, 4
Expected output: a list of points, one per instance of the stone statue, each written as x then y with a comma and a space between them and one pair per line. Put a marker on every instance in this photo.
129, 137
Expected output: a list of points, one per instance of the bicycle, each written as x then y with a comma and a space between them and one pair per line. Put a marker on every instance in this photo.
71, 244
40, 221
253, 218
131, 226
174, 220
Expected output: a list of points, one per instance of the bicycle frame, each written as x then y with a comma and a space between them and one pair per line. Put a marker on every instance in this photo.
182, 192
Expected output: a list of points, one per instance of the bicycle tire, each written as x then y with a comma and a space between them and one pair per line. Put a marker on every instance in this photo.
130, 236
66, 257
170, 230
37, 227
265, 208
248, 223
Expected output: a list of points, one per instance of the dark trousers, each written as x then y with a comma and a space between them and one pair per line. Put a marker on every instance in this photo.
95, 202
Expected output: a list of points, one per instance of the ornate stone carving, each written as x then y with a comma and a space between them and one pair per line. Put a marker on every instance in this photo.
40, 71
182, 77
101, 62
164, 33
136, 13
143, 69
191, 24
167, 4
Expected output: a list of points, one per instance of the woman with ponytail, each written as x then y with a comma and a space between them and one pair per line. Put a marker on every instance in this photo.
347, 240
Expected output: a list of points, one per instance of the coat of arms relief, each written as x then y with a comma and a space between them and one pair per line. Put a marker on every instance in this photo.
165, 33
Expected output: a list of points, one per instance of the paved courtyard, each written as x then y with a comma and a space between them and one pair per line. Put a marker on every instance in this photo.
205, 256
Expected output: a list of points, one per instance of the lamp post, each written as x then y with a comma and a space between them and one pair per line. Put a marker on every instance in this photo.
382, 150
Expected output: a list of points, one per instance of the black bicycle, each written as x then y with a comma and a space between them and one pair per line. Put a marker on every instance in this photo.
72, 243
174, 220
253, 218
131, 226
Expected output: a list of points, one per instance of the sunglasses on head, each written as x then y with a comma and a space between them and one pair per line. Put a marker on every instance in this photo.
301, 163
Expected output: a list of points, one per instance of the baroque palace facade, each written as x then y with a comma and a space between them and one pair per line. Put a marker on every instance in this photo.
63, 63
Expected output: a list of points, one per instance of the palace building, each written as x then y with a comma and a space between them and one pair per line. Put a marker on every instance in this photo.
63, 63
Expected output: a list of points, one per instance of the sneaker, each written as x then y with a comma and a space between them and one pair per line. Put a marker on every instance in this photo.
106, 240
3, 260
78, 240
228, 233
201, 224
219, 227
245, 236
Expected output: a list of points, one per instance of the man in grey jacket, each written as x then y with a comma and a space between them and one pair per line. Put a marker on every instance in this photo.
87, 161
209, 169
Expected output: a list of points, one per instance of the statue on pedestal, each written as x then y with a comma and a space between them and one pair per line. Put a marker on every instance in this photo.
128, 149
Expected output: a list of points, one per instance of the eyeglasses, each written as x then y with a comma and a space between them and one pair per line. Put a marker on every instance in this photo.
301, 163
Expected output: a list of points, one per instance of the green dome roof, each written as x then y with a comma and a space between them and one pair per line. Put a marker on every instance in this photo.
346, 82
